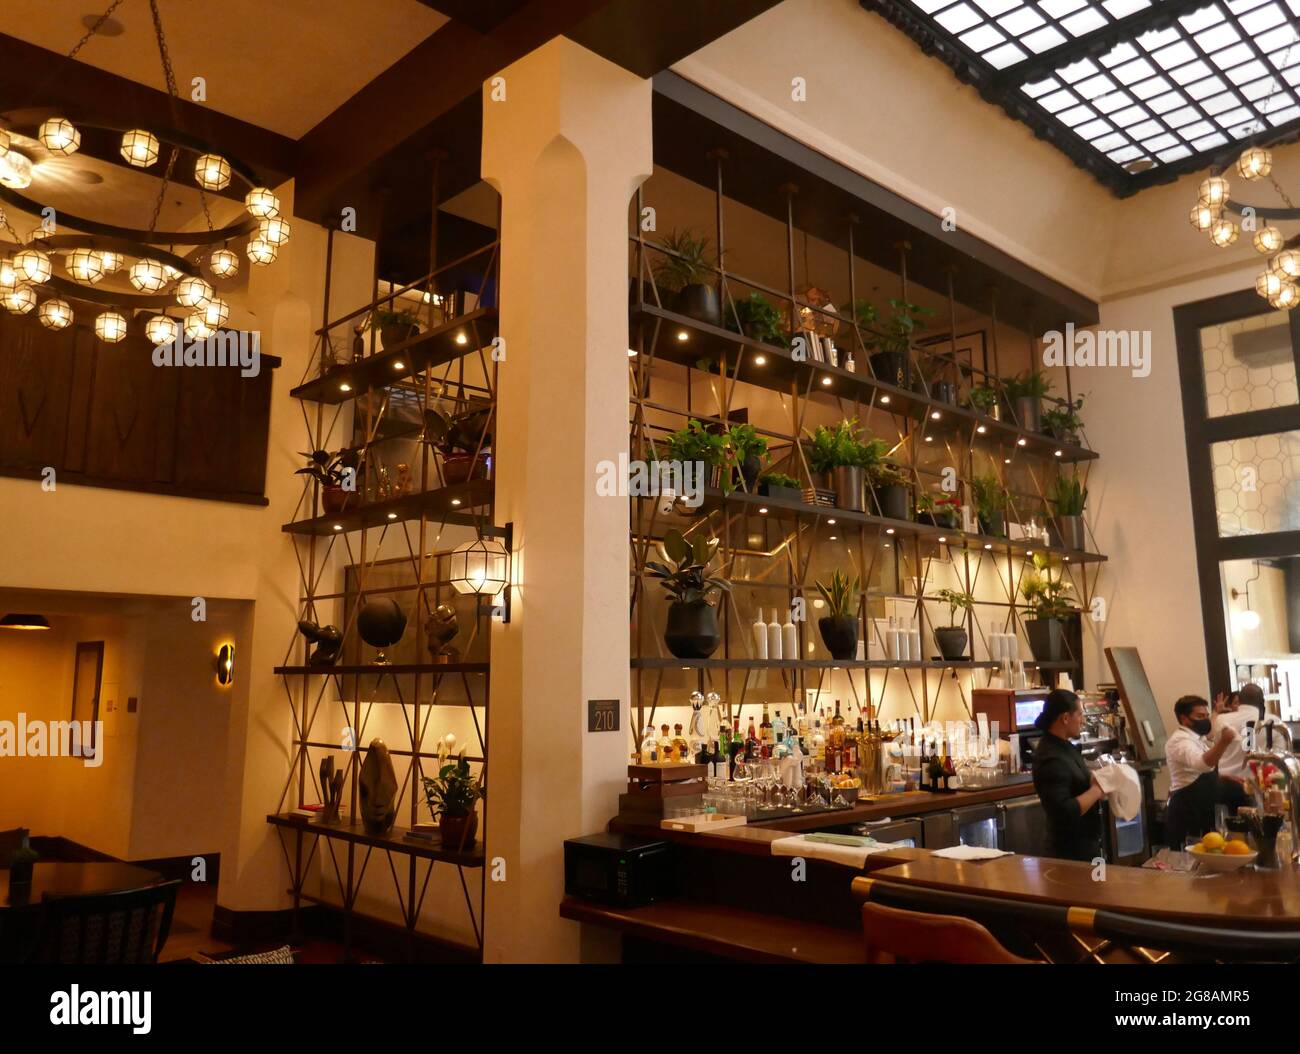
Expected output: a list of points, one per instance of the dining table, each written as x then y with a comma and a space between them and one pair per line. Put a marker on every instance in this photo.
21, 904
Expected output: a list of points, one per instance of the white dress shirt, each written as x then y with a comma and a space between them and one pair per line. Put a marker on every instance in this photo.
1185, 752
1233, 760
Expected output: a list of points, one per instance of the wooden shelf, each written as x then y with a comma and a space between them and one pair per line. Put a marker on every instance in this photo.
393, 842
395, 669
714, 499
434, 348
451, 504
778, 371
657, 663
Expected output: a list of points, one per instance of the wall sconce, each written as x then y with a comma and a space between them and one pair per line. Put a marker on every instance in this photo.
482, 567
1248, 617
225, 665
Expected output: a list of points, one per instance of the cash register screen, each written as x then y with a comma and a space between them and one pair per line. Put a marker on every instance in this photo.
1027, 711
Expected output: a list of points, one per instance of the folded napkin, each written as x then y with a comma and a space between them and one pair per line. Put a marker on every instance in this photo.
1123, 789
851, 855
969, 852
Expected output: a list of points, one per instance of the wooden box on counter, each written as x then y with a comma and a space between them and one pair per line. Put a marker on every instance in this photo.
650, 785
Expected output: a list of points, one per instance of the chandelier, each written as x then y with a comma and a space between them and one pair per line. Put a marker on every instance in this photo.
51, 270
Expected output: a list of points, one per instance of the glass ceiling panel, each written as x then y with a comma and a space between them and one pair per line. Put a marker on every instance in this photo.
1129, 85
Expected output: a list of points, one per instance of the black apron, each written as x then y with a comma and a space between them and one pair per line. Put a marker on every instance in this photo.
1191, 809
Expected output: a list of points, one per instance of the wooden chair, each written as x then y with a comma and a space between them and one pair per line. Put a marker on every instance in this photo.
109, 928
894, 935
10, 843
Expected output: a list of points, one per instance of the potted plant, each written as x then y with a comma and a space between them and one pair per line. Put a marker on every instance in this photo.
941, 510
891, 359
990, 500
985, 400
839, 627
746, 453
395, 327
1048, 604
952, 638
780, 486
759, 319
1068, 498
687, 271
841, 455
452, 796
683, 570
1025, 392
893, 490
332, 472
1062, 421
463, 440
695, 443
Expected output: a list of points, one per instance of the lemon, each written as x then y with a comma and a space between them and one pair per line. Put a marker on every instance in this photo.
1213, 842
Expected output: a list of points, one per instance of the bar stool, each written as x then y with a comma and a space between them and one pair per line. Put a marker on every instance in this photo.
893, 935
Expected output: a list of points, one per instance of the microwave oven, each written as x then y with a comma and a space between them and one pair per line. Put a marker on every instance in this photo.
617, 869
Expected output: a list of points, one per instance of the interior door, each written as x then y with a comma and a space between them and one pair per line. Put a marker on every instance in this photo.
86, 683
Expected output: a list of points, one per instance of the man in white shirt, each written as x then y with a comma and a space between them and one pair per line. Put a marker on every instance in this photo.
1229, 712
1193, 776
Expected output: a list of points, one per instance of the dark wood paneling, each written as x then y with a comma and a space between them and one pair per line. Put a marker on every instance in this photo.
105, 415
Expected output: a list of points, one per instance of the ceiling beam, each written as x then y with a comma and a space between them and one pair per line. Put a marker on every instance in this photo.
482, 15
31, 76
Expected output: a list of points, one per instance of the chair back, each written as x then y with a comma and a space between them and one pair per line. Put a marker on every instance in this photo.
894, 935
10, 842
130, 926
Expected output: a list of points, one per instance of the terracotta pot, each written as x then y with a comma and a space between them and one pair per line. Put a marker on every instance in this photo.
336, 499
458, 831
458, 468
396, 333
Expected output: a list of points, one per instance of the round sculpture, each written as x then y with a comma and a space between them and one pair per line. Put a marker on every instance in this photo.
381, 624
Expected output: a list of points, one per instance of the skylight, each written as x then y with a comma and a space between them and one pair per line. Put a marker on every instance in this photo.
1136, 91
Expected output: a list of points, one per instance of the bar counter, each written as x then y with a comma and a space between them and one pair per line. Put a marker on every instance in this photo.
735, 899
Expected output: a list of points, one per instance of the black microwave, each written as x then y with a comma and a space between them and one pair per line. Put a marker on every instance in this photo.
618, 869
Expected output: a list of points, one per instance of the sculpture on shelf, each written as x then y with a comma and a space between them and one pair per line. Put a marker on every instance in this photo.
331, 790
328, 641
381, 624
440, 629
378, 789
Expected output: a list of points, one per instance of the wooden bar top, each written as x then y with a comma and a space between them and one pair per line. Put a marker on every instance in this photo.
1240, 899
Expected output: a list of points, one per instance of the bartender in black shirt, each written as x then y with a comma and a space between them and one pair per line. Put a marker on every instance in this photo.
1066, 786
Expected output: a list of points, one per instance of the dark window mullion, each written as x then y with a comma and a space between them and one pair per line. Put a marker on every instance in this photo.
1251, 423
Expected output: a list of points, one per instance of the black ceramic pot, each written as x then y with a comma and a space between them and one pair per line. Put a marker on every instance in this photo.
951, 641
892, 368
944, 392
698, 302
750, 469
395, 333
895, 502
840, 635
780, 493
692, 631
994, 524
1046, 638
947, 520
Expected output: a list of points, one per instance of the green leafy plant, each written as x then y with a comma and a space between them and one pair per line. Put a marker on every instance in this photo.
759, 318
683, 569
453, 792
1063, 420
843, 446
956, 601
328, 469
1046, 597
888, 474
695, 443
840, 595
688, 261
904, 320
779, 479
989, 495
744, 442
1027, 385
983, 399
937, 505
864, 313
1068, 495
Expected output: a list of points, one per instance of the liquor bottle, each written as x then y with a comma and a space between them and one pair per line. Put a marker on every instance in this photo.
782, 748
759, 630
766, 736
724, 739
849, 364
818, 744
774, 639
835, 742
680, 747
666, 751
649, 746
789, 638
778, 726
752, 745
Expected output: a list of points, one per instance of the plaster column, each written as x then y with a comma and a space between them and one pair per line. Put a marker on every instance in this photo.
566, 147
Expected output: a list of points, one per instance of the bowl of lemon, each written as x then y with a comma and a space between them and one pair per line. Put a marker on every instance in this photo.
1214, 853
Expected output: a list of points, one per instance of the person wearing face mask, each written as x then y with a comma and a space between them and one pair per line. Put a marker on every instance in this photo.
1193, 771
1066, 786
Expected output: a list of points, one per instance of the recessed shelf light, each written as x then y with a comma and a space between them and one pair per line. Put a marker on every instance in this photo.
988, 545
461, 338
935, 415
763, 510
884, 399
631, 353
760, 360
980, 429
392, 515
1022, 441
399, 365
826, 381
455, 501
830, 523
833, 537
683, 336
1029, 552
929, 439
1059, 452
1006, 461
338, 526
345, 387
942, 538
889, 530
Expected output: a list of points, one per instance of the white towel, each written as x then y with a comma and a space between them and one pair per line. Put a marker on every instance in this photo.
1123, 789
852, 855
970, 852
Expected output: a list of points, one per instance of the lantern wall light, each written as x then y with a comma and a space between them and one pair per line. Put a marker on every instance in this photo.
482, 568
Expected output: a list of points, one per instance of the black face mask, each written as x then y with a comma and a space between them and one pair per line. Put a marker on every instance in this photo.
1201, 727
